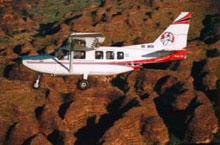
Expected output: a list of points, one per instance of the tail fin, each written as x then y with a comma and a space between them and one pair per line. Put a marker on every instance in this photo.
175, 36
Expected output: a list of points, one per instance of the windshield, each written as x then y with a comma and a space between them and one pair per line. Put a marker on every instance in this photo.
62, 49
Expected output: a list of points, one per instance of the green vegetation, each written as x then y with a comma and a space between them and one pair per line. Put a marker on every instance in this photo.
125, 7
4, 40
17, 38
175, 141
53, 10
48, 12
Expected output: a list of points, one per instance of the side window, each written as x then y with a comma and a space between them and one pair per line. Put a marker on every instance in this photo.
109, 55
120, 55
79, 55
99, 55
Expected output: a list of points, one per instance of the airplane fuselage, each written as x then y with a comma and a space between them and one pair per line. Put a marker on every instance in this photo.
132, 57
85, 58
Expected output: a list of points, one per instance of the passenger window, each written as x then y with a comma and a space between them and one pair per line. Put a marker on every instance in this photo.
120, 55
79, 54
99, 55
109, 55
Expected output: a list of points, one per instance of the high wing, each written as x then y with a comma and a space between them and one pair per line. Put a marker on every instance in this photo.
85, 41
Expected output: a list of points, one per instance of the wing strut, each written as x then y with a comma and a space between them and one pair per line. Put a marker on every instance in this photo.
71, 56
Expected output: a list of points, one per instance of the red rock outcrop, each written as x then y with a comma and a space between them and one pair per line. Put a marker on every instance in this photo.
140, 125
22, 131
39, 140
83, 108
4, 125
202, 125
132, 108
11, 23
49, 118
193, 105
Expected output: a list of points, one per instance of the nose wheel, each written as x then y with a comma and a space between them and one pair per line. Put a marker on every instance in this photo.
36, 84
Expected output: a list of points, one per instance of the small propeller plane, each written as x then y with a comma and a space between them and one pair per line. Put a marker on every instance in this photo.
83, 56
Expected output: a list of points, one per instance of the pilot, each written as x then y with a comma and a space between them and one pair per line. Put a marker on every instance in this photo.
62, 54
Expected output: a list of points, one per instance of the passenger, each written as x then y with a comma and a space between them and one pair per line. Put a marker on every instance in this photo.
120, 55
79, 55
76, 55
109, 55
82, 55
98, 55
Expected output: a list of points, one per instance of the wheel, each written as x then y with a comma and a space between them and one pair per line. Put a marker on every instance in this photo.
36, 85
83, 84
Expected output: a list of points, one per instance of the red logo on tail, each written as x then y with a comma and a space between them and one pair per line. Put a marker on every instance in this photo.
167, 38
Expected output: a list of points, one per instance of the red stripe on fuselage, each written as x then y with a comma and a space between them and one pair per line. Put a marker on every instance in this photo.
176, 55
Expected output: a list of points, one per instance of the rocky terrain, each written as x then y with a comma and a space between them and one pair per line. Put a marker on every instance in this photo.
175, 103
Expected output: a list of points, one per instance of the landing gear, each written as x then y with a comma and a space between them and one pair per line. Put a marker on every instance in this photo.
36, 84
83, 84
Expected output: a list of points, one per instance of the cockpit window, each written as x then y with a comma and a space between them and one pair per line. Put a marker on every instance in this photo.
99, 55
79, 54
109, 55
120, 55
63, 54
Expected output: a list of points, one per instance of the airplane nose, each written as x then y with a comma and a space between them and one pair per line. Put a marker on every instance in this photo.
24, 60
28, 60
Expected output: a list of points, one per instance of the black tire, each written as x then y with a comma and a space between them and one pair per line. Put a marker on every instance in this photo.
83, 84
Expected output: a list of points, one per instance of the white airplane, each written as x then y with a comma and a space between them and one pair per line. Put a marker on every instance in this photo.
83, 56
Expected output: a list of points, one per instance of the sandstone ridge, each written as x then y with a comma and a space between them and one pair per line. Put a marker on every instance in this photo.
169, 103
